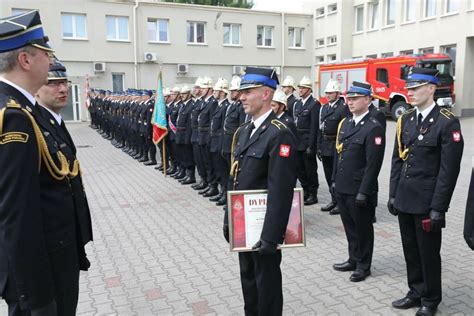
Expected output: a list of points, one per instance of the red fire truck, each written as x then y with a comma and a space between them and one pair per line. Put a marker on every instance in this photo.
387, 77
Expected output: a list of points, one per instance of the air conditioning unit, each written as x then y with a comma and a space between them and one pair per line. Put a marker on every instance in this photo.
238, 70
183, 68
149, 57
99, 66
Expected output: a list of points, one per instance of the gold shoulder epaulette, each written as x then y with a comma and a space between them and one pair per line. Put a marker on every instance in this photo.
12, 103
447, 113
278, 124
409, 111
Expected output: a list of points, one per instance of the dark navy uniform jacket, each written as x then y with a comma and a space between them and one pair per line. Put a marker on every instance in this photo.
469, 217
234, 117
427, 178
204, 120
216, 127
307, 123
359, 160
330, 118
267, 161
183, 123
197, 107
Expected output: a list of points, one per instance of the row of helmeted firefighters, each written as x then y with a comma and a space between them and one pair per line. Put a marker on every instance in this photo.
202, 121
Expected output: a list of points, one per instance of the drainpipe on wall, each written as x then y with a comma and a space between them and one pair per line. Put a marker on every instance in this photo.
135, 45
283, 47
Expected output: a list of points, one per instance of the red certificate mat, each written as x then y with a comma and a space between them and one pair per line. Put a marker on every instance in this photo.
246, 211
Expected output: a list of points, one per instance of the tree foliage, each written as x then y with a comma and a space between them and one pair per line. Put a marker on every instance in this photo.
221, 3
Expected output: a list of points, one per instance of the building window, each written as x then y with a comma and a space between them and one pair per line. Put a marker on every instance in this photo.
16, 11
452, 6
117, 82
295, 37
332, 40
231, 34
385, 55
426, 50
371, 56
410, 13
196, 33
319, 60
390, 12
430, 8
359, 11
406, 52
320, 42
320, 12
374, 14
332, 8
158, 30
117, 28
74, 25
331, 57
265, 36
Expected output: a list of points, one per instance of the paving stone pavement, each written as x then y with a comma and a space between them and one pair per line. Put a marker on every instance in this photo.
159, 249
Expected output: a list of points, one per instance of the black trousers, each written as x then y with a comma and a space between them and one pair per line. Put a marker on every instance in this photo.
359, 230
65, 270
307, 171
423, 260
199, 162
328, 166
151, 148
261, 283
187, 156
206, 158
220, 168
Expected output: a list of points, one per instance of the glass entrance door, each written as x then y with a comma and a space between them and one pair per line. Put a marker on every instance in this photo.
72, 111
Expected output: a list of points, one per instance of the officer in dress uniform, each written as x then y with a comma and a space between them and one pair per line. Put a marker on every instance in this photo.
263, 158
216, 136
306, 112
425, 165
289, 87
173, 108
150, 148
360, 146
198, 100
279, 108
208, 107
39, 255
331, 114
184, 131
469, 217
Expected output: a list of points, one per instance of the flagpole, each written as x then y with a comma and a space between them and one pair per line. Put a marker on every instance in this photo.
164, 155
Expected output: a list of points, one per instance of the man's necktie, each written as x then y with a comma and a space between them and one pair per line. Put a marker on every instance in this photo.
420, 119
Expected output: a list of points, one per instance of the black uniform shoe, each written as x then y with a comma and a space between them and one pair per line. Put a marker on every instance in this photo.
180, 175
189, 180
406, 303
202, 185
222, 201
143, 159
207, 188
334, 211
359, 275
150, 163
216, 198
345, 266
312, 199
426, 311
329, 207
212, 191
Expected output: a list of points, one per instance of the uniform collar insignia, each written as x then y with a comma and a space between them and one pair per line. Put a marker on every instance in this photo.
51, 121
29, 109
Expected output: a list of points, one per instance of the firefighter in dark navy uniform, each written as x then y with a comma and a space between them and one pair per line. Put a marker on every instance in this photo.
279, 107
360, 146
264, 158
331, 114
306, 113
469, 217
425, 167
289, 86
39, 256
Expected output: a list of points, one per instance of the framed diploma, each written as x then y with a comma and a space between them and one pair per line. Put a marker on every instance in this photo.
246, 211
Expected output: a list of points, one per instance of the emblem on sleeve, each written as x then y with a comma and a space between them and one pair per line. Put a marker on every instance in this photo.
456, 136
285, 151
13, 137
378, 141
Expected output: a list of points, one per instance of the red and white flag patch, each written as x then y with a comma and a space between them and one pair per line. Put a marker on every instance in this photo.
456, 136
378, 140
285, 151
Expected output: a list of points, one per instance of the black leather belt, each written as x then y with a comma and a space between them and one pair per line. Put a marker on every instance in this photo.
203, 129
